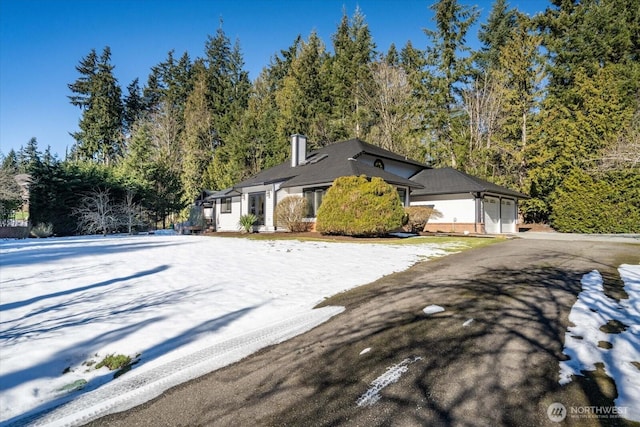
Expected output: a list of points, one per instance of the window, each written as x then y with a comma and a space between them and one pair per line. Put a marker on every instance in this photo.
402, 193
225, 205
314, 200
256, 206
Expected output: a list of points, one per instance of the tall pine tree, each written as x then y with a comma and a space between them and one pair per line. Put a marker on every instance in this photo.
449, 68
98, 95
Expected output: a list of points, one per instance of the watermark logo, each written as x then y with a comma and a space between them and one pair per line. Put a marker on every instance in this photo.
556, 412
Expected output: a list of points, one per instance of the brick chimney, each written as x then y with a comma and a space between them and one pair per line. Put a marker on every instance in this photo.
298, 149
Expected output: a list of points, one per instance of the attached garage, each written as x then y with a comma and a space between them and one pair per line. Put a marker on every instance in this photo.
491, 215
466, 203
500, 215
508, 216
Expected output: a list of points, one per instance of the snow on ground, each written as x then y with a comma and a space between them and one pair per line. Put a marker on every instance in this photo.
594, 309
391, 375
170, 301
432, 309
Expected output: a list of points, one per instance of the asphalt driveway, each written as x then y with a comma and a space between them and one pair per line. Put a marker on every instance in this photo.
501, 368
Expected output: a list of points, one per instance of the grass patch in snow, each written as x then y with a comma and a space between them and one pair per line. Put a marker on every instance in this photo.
113, 362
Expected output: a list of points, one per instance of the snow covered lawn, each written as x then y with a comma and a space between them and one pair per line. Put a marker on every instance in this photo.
170, 302
607, 332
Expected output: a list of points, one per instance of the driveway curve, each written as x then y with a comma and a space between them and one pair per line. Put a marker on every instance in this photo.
490, 358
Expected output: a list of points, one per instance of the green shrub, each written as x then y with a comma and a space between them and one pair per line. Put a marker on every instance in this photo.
246, 222
114, 361
355, 206
607, 203
42, 230
290, 213
416, 217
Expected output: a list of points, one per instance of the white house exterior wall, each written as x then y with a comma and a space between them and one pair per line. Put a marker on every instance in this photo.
228, 221
393, 166
454, 208
269, 206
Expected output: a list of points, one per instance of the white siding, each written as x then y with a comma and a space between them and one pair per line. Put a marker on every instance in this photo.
454, 207
393, 166
270, 202
228, 221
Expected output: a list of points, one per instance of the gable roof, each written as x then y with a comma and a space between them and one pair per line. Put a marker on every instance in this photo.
328, 163
449, 181
222, 194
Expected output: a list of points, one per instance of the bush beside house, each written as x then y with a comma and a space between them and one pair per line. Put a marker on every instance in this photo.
290, 214
355, 206
417, 217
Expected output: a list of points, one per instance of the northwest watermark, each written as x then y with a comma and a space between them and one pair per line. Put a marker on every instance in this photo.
557, 412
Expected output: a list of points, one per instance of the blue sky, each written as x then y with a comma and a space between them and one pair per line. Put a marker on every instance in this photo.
41, 42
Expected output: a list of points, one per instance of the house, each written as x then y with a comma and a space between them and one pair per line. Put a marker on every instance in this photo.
466, 203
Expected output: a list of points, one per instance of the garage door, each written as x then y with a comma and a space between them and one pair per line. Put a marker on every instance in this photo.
492, 215
508, 215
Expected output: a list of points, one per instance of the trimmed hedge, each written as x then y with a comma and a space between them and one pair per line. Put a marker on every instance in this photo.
607, 203
357, 206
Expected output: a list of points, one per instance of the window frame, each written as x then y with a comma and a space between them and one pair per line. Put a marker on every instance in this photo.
226, 205
316, 202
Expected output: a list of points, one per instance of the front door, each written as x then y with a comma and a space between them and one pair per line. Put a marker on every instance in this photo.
256, 206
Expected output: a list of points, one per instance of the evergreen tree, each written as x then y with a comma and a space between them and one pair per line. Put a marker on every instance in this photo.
495, 34
589, 34
170, 82
448, 70
199, 139
228, 83
29, 157
279, 66
392, 57
145, 169
134, 106
592, 49
10, 162
303, 100
520, 75
252, 144
98, 95
354, 51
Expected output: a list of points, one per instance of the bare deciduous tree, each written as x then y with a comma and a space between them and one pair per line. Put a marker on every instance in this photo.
390, 99
130, 212
97, 213
483, 105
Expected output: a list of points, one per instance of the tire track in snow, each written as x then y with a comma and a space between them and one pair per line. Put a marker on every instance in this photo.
132, 390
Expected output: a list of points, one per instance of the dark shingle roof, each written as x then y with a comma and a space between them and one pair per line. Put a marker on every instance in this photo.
449, 181
227, 192
330, 162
